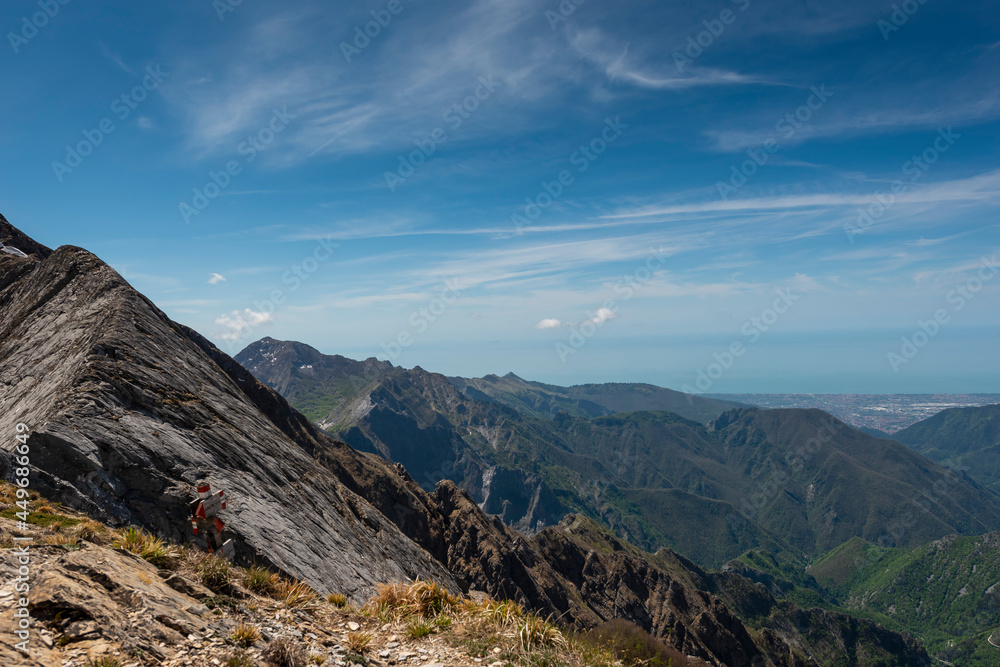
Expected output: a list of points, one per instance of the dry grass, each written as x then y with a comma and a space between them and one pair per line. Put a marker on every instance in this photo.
245, 635
633, 646
215, 572
488, 629
358, 642
337, 600
501, 614
423, 598
296, 594
261, 581
534, 632
94, 532
153, 549
283, 652
240, 659
417, 627
57, 525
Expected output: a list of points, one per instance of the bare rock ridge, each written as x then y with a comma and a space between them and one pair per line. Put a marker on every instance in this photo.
127, 412
128, 409
12, 236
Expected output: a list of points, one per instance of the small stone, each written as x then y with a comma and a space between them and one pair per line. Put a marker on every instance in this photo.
352, 626
385, 654
497, 650
392, 644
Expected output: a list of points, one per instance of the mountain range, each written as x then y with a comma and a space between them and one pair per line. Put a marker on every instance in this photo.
794, 479
777, 490
127, 410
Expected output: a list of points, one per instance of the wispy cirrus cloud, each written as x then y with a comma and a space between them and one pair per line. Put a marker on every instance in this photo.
981, 188
599, 49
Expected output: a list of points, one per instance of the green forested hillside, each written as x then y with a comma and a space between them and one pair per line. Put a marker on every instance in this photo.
966, 439
589, 400
946, 592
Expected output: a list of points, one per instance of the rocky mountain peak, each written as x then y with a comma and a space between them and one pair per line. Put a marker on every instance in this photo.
11, 236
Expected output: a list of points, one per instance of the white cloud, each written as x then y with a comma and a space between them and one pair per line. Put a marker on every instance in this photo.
239, 324
602, 316
601, 52
979, 188
216, 278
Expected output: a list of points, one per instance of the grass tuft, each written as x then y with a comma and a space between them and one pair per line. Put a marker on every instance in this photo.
337, 600
534, 632
358, 642
93, 532
417, 627
260, 580
240, 659
296, 594
245, 635
423, 598
283, 652
215, 572
148, 547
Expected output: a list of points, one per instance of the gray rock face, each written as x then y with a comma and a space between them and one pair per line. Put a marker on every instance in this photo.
127, 412
522, 501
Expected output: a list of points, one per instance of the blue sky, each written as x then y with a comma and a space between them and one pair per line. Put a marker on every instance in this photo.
628, 191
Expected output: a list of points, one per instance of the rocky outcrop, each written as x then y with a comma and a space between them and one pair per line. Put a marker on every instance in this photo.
12, 236
95, 594
522, 501
127, 412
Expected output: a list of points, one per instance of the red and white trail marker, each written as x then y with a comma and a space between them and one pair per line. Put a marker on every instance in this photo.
206, 524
